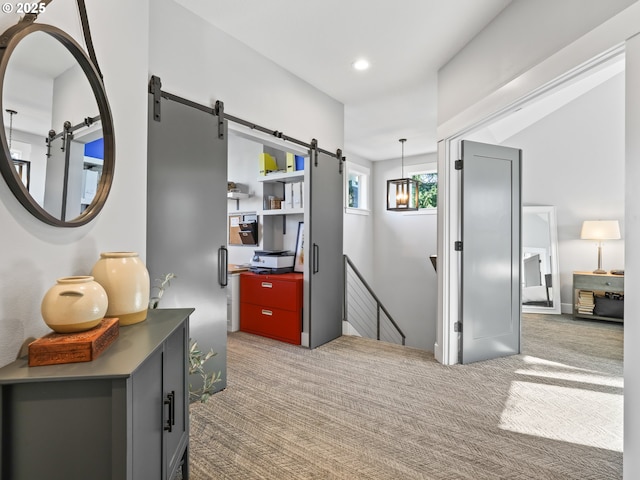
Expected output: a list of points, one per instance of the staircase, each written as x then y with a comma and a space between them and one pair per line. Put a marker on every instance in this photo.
363, 310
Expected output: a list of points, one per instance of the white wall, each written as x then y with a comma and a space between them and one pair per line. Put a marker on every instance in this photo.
358, 230
34, 150
632, 271
574, 159
402, 245
197, 61
73, 100
33, 255
501, 76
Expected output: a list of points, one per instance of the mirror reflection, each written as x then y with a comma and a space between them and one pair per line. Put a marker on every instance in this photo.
52, 126
540, 274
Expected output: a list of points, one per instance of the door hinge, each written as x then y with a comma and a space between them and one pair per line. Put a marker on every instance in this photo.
457, 246
458, 164
155, 88
457, 327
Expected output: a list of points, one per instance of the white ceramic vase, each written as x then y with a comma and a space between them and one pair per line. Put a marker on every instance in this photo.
74, 304
126, 281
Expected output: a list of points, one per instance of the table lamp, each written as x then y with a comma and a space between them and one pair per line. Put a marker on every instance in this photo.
600, 230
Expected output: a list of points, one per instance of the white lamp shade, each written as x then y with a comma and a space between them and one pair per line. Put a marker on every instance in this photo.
600, 230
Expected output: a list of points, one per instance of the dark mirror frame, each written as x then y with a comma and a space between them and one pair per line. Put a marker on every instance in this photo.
8, 42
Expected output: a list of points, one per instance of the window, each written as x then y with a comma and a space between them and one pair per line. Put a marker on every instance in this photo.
354, 183
357, 189
427, 189
427, 175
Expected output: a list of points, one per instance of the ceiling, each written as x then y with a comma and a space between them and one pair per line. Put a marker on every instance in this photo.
406, 42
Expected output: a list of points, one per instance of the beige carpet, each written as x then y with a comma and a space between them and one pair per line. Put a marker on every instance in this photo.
360, 409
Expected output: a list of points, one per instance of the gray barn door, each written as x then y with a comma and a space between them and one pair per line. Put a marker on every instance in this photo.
490, 251
186, 221
325, 247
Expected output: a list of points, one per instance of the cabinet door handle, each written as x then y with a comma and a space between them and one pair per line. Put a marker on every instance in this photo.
607, 283
170, 402
267, 312
223, 266
267, 285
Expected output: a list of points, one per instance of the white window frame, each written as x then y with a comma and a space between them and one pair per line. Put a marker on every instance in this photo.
363, 189
418, 169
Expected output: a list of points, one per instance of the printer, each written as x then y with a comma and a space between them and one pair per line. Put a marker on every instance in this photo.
272, 261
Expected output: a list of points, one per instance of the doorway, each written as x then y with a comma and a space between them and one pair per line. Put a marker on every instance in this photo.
556, 167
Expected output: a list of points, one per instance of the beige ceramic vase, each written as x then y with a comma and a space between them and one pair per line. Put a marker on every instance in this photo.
126, 280
74, 304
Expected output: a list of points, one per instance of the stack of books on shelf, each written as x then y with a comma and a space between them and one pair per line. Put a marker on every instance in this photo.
586, 302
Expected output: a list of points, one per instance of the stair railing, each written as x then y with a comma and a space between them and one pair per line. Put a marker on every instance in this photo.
360, 301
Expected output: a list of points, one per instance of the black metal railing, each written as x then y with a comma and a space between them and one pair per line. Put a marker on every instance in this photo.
364, 310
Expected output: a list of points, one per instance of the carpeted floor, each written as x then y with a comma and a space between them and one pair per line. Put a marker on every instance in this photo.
360, 409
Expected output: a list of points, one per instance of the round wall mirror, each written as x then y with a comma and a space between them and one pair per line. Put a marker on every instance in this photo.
58, 151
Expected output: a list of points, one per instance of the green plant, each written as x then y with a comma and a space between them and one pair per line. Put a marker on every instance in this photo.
197, 359
164, 284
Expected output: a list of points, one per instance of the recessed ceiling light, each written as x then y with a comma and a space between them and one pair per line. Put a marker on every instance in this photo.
361, 64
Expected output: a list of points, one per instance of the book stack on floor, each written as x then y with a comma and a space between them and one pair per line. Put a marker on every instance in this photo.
586, 302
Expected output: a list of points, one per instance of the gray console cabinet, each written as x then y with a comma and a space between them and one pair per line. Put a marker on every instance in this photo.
122, 416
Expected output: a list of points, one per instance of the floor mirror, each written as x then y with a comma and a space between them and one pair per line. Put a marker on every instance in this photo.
540, 271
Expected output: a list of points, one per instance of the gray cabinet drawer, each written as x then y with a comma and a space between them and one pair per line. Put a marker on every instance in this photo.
595, 282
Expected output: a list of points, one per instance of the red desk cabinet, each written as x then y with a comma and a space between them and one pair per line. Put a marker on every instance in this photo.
271, 305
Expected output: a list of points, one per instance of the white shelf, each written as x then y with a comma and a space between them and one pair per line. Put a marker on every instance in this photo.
282, 176
283, 211
237, 195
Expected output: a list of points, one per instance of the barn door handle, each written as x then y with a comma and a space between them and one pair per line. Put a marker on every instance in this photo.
316, 258
223, 266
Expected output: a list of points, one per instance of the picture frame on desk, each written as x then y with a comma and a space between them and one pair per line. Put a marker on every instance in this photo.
298, 259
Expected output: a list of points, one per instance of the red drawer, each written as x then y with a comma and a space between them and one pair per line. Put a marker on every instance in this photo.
283, 325
273, 291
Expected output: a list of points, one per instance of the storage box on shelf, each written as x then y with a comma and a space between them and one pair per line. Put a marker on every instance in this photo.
271, 305
592, 294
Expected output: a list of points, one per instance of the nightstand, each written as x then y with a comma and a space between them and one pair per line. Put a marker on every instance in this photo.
586, 285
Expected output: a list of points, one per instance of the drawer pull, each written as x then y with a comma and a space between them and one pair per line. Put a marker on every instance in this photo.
267, 312
607, 283
267, 285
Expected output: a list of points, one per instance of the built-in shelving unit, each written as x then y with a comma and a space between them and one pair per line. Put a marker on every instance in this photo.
275, 183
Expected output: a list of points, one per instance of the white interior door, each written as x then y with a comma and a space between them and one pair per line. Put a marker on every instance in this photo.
491, 211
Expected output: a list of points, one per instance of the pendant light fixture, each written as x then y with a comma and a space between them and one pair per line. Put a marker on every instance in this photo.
402, 193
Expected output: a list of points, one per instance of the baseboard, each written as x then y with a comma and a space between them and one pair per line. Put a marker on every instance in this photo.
566, 308
304, 339
347, 329
437, 353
